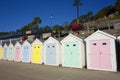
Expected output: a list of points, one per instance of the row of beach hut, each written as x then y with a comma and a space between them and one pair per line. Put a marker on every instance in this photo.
98, 52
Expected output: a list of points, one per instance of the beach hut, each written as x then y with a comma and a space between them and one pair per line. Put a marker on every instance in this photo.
118, 52
18, 51
52, 52
1, 50
26, 52
5, 51
73, 52
119, 37
37, 52
10, 55
101, 51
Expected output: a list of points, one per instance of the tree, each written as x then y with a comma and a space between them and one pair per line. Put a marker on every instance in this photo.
89, 15
33, 25
25, 28
77, 3
77, 24
37, 20
57, 28
104, 12
86, 17
66, 26
47, 29
117, 5
75, 27
111, 10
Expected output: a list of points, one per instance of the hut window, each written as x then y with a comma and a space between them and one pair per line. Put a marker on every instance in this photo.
48, 46
94, 44
38, 47
53, 46
74, 44
104, 43
67, 45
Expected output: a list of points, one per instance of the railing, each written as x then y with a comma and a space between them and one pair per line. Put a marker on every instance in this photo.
7, 41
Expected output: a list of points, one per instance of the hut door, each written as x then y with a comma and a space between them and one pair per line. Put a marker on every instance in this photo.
94, 54
0, 53
26, 53
105, 55
67, 54
51, 53
17, 53
36, 53
71, 56
5, 53
75, 54
10, 53
100, 56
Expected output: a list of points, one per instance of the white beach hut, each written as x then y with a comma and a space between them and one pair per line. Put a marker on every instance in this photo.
101, 51
26, 52
5, 51
52, 52
10, 55
73, 54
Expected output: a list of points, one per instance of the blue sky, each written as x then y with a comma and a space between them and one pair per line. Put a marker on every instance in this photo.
14, 14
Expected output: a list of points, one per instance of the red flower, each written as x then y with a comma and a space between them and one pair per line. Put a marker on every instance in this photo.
75, 27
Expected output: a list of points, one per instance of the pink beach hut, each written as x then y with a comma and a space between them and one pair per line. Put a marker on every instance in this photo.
101, 51
17, 54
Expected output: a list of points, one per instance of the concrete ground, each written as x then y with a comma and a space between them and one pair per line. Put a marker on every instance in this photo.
22, 71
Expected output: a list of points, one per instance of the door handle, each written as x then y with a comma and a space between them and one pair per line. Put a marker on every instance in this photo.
100, 53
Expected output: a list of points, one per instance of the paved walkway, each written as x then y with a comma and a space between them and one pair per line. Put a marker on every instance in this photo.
21, 71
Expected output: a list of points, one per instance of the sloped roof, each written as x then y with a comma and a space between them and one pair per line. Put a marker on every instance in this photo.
36, 40
51, 39
26, 42
100, 32
73, 36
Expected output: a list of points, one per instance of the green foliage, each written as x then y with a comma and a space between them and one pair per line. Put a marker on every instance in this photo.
57, 28
34, 25
83, 18
46, 29
66, 26
86, 17
108, 10
77, 3
37, 20
104, 12
117, 5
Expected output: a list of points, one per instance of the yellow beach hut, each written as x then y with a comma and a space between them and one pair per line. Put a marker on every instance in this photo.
37, 52
1, 51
